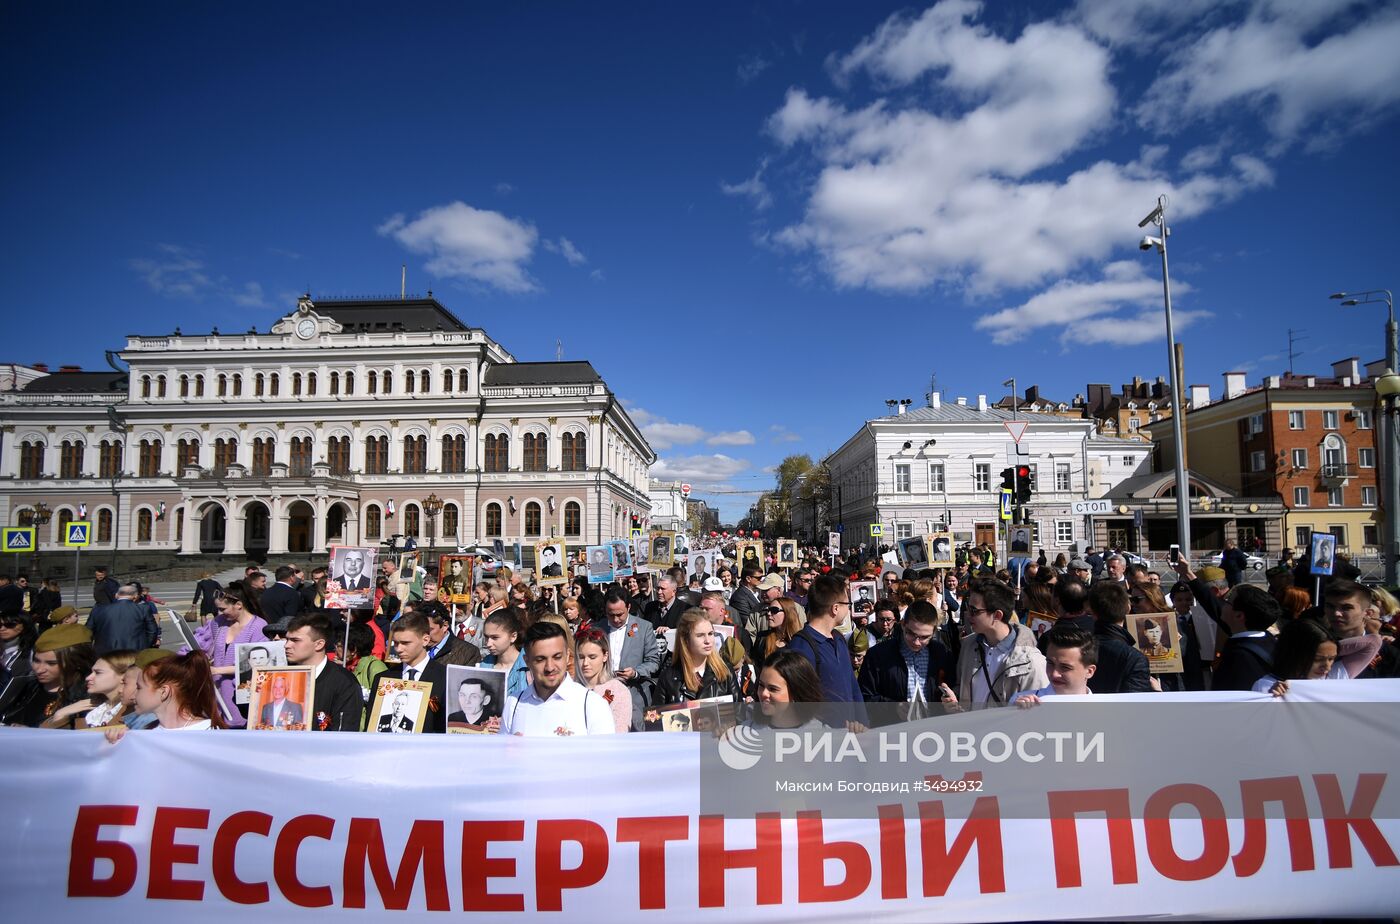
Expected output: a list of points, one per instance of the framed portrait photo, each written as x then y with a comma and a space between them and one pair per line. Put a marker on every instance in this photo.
455, 574
701, 562
787, 553
551, 562
281, 699
1040, 623
1323, 555
748, 553
1020, 540
622, 558
476, 697
1159, 639
940, 550
709, 716
863, 595
641, 554
400, 707
251, 656
663, 549
599, 564
912, 552
350, 584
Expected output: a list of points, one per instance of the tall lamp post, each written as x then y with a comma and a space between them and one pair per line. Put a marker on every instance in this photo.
432, 506
1388, 388
39, 518
1158, 217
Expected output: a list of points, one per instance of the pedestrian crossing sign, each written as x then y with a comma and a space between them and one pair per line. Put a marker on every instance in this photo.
1006, 504
636, 532
78, 535
18, 539
877, 529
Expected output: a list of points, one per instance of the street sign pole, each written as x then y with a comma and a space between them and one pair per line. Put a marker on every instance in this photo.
77, 572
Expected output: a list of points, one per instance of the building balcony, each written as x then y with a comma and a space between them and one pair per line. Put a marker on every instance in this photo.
1336, 473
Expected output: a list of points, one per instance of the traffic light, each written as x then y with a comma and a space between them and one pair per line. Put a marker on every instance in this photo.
1023, 484
636, 522
1008, 476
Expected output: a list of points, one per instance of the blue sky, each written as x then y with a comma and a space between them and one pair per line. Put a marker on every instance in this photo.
758, 221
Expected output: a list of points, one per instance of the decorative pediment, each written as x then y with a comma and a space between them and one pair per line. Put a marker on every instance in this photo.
305, 323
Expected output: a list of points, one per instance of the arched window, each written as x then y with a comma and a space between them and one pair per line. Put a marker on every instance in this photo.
109, 459
424, 386
186, 454
143, 525
415, 455
454, 453
573, 519
179, 524
408, 381
70, 459
199, 386
145, 386
264, 450
536, 452
225, 454
574, 448
497, 452
184, 386
335, 383
449, 521
373, 522
349, 383
274, 381
373, 382
300, 460
410, 520
296, 384
223, 385
237, 385
462, 380
532, 519
447, 380
160, 386
149, 460
338, 455
259, 383
376, 455
493, 520
388, 382
31, 459
65, 516
104, 525
311, 383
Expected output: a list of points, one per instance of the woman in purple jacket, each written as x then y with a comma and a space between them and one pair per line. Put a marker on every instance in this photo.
233, 624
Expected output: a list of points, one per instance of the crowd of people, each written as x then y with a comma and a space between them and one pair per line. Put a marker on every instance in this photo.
782, 646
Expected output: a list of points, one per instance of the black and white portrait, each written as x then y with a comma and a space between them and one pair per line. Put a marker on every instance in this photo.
475, 696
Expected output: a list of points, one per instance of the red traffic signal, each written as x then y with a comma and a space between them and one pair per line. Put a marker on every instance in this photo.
1023, 471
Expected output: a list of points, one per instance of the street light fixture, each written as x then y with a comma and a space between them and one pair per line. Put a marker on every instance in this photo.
432, 506
1158, 217
1387, 387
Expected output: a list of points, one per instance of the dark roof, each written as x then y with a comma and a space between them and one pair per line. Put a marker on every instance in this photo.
77, 383
389, 314
565, 373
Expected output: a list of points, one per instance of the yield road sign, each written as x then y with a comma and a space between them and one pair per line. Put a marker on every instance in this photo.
78, 535
1017, 428
18, 539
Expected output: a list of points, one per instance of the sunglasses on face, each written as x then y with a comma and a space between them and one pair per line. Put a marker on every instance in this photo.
775, 609
10, 623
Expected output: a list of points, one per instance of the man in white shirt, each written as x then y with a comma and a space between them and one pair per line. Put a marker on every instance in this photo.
1071, 657
553, 703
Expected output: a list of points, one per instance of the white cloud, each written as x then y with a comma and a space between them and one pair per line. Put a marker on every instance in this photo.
751, 66
754, 188
1124, 308
463, 242
781, 434
731, 438
957, 187
1272, 61
663, 434
504, 189
178, 272
566, 249
700, 469
1144, 22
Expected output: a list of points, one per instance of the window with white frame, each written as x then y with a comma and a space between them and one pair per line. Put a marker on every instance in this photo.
1256, 423
1300, 458
1300, 497
935, 477
1334, 497
1132, 423
1366, 457
1296, 420
1035, 476
1363, 420
1256, 461
1368, 495
904, 530
1128, 461
1329, 420
901, 478
1062, 476
982, 476
1064, 532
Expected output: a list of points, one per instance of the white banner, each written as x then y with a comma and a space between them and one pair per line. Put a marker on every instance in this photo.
211, 826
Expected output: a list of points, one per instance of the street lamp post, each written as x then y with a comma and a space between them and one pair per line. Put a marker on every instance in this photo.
39, 518
1158, 217
432, 506
1388, 431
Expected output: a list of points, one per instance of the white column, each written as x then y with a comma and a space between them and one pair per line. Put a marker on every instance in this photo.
434, 448
277, 528
318, 529
189, 542
357, 449
233, 530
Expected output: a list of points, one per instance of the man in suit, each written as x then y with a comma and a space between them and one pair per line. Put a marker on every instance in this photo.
311, 590
122, 624
338, 703
397, 722
665, 611
549, 562
281, 712
281, 603
635, 651
412, 638
352, 571
447, 648
746, 603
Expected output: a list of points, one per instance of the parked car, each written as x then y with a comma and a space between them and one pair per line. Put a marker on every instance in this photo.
1255, 562
486, 560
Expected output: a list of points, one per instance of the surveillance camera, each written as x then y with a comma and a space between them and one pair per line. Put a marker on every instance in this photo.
1149, 242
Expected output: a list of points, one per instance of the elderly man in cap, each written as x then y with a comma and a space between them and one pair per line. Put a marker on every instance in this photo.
1080, 568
